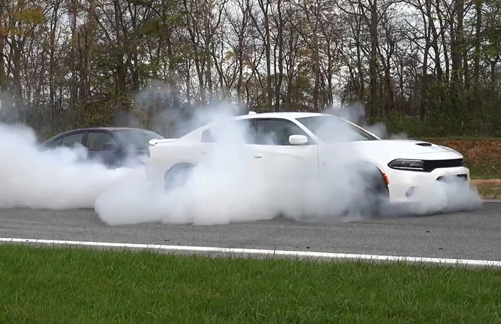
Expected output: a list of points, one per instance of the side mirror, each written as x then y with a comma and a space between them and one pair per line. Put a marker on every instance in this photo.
298, 139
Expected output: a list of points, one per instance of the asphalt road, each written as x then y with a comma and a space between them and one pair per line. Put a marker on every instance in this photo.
469, 235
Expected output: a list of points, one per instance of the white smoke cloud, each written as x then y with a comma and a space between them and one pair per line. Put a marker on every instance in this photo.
51, 179
442, 197
221, 190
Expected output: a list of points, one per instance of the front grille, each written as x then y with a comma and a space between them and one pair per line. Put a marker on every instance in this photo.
440, 164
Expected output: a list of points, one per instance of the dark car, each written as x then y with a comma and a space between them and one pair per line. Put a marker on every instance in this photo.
110, 145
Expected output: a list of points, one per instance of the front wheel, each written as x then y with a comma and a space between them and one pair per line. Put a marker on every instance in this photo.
374, 195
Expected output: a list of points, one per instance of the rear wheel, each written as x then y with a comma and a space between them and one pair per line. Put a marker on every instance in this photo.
177, 176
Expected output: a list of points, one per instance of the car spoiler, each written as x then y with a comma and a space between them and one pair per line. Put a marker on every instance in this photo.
154, 142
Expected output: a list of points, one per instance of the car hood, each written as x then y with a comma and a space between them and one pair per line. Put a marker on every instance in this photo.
407, 146
393, 149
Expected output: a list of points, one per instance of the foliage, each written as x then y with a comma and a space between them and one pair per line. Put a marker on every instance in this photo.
425, 67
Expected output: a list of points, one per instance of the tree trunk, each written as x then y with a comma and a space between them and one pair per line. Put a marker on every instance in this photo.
476, 55
373, 60
280, 62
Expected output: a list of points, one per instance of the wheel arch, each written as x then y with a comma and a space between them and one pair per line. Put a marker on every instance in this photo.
176, 171
366, 163
179, 165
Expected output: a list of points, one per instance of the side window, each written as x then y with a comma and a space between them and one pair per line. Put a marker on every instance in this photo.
235, 131
72, 139
99, 141
276, 131
56, 142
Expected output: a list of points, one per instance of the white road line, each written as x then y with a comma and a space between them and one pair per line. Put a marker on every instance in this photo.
328, 255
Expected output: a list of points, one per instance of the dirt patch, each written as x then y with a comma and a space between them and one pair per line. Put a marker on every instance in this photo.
483, 157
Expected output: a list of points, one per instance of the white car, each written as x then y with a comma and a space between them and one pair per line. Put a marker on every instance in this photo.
310, 143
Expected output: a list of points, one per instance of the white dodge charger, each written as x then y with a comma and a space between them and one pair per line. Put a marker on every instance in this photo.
311, 144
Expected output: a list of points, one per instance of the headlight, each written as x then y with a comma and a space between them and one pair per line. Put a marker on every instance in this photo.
405, 164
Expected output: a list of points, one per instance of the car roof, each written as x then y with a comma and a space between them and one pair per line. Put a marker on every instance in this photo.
283, 114
76, 130
103, 128
110, 129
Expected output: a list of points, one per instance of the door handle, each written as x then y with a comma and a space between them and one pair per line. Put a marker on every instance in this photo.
258, 155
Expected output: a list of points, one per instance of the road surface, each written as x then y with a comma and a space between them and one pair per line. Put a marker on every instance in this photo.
469, 235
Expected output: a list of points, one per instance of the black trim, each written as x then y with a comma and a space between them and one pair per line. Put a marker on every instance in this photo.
430, 165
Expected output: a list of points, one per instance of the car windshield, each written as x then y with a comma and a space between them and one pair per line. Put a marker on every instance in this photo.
332, 129
137, 138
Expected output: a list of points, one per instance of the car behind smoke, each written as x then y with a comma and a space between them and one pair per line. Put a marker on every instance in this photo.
112, 146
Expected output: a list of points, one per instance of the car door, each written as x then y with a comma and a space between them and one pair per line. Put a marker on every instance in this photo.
231, 144
278, 158
102, 147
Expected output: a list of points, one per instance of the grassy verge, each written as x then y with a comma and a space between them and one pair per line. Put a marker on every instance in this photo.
490, 192
69, 285
488, 185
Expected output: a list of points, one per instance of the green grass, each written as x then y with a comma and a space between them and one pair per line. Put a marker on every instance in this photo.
485, 176
56, 285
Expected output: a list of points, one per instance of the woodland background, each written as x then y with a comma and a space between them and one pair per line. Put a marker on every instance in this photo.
426, 67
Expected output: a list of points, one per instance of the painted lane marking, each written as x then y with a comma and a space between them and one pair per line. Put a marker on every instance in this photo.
328, 255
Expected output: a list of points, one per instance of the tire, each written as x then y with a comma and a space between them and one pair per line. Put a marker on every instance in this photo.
177, 176
374, 196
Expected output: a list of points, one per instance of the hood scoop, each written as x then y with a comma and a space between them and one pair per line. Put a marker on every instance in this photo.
424, 144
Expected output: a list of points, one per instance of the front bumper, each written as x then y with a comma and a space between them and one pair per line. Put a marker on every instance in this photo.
408, 186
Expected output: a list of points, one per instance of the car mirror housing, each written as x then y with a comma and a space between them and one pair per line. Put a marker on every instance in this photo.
298, 139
